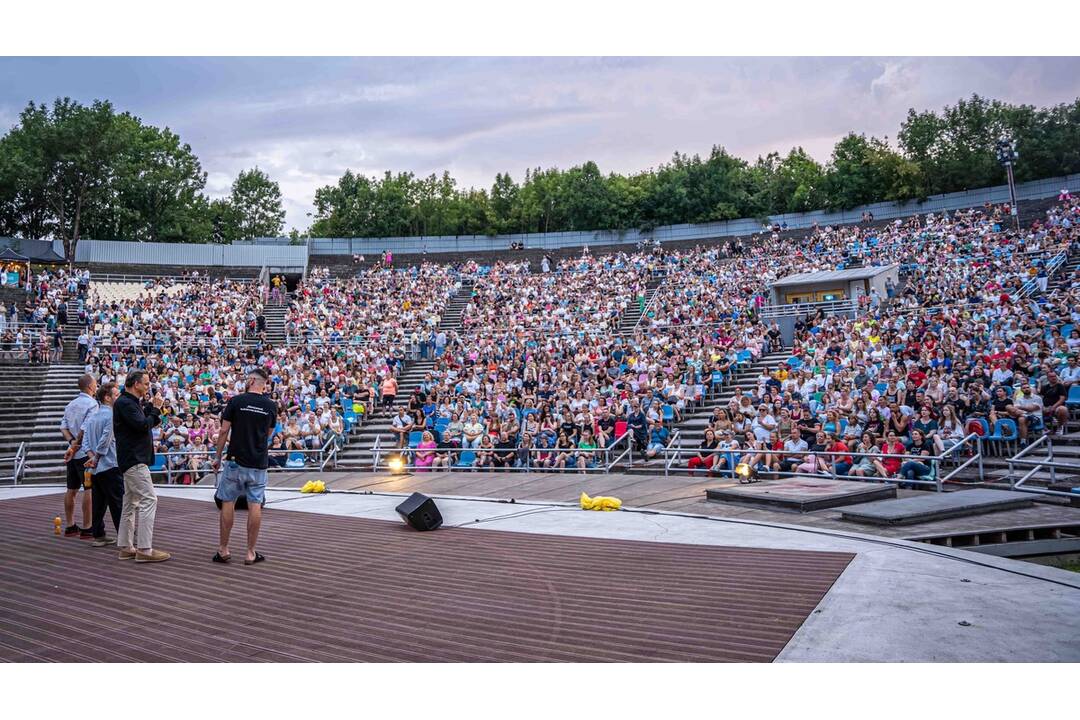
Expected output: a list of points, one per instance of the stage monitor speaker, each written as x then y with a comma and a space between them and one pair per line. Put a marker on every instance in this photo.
420, 512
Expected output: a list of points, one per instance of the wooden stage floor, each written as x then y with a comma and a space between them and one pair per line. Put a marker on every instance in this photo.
342, 589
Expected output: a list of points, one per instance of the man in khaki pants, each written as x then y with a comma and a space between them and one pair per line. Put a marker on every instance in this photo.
133, 421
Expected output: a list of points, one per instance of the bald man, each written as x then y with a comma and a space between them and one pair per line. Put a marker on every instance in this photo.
77, 412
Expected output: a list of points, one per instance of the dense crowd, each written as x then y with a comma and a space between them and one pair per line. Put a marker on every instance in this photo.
543, 372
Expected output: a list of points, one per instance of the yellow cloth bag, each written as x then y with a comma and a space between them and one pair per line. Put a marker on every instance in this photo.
600, 502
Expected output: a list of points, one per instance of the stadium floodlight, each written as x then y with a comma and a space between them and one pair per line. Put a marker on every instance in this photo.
1005, 147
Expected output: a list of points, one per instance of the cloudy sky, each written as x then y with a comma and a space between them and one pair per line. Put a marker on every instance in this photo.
307, 120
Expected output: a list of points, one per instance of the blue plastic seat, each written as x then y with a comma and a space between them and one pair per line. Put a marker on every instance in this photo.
467, 458
159, 463
1073, 401
1005, 431
415, 437
295, 459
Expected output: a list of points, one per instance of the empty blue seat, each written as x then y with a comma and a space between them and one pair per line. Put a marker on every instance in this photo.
468, 457
415, 437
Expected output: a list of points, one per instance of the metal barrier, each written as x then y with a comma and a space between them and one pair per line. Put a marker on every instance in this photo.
403, 459
937, 481
1037, 464
325, 455
18, 464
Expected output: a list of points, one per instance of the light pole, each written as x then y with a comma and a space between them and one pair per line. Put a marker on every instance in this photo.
1007, 156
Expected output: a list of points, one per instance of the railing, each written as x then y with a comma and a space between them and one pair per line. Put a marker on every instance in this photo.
1038, 464
652, 299
936, 480
179, 279
403, 459
626, 437
1051, 267
831, 307
674, 444
325, 455
18, 464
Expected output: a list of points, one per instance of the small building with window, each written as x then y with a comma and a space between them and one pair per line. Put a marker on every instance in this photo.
824, 286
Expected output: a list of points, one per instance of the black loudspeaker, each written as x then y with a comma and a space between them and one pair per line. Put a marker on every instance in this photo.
420, 512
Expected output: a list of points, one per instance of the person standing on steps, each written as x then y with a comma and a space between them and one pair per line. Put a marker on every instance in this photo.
133, 422
77, 412
247, 424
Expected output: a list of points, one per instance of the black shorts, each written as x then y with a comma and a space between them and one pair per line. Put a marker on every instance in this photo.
388, 399
75, 470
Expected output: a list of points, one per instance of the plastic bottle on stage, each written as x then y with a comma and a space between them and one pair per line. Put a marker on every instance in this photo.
56, 525
87, 474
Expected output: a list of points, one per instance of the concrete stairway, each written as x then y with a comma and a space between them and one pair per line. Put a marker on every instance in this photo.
692, 428
32, 401
631, 316
275, 323
353, 456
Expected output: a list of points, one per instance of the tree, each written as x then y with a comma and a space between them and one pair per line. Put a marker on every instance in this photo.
256, 203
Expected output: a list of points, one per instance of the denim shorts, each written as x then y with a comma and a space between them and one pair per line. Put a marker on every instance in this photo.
237, 480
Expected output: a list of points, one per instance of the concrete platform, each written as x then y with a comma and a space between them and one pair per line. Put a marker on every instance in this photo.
935, 506
803, 494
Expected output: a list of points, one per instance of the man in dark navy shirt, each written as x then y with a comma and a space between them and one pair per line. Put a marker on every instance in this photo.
247, 424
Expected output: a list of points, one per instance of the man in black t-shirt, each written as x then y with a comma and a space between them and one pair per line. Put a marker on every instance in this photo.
1054, 393
247, 424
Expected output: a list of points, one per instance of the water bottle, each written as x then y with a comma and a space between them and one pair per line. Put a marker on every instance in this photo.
87, 474
56, 525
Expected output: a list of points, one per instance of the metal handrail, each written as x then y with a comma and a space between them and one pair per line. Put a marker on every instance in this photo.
933, 460
670, 458
627, 435
1036, 465
18, 463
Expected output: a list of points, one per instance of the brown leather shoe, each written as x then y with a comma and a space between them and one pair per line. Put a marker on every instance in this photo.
127, 554
152, 556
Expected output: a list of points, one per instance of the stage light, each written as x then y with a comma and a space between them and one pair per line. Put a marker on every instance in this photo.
396, 464
745, 472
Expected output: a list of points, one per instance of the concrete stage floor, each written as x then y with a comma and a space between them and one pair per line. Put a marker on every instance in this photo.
677, 494
894, 600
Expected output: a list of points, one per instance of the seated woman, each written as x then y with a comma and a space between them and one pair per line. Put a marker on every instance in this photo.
425, 452
706, 454
727, 455
451, 436
586, 457
564, 453
756, 455
893, 446
485, 454
914, 469
867, 466
814, 463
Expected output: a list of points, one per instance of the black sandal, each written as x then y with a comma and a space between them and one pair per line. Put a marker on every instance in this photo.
258, 558
219, 559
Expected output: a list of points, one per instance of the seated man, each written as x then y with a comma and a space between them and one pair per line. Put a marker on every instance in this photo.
658, 439
505, 451
402, 425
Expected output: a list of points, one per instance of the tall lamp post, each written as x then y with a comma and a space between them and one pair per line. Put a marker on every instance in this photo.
1007, 156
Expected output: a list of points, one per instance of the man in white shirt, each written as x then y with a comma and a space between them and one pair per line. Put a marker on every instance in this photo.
1071, 374
77, 412
763, 424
